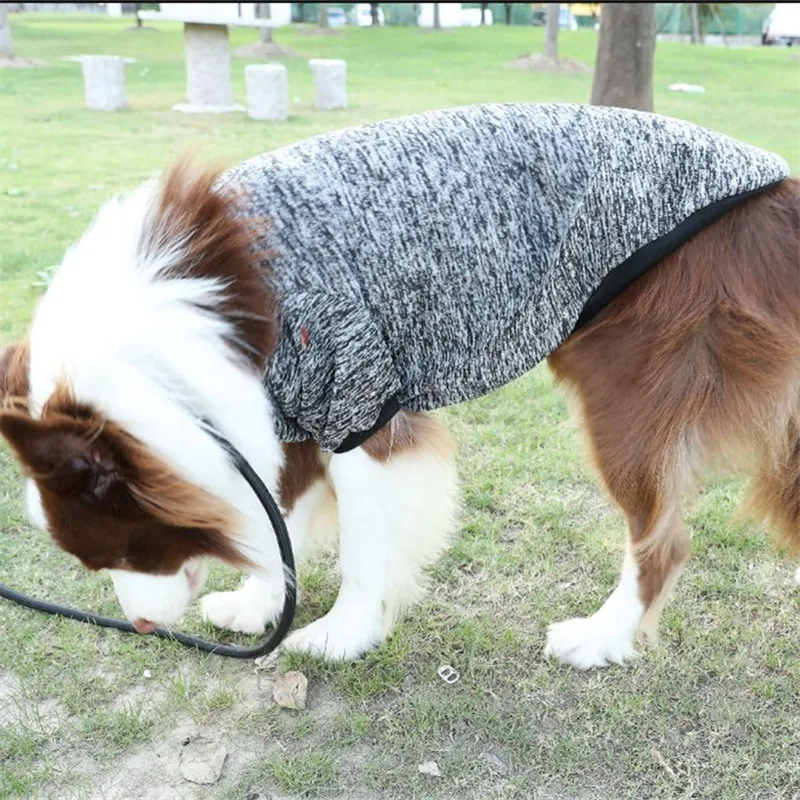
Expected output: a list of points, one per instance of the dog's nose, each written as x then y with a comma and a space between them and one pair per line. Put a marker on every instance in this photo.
144, 625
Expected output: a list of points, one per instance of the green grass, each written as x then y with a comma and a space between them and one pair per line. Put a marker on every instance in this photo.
20, 749
305, 774
302, 775
116, 730
710, 713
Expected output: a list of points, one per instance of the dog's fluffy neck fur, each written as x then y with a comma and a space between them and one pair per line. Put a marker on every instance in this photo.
149, 338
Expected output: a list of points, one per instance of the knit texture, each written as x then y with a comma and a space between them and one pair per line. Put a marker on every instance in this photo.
436, 257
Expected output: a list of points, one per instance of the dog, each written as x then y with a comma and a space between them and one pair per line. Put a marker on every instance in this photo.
160, 316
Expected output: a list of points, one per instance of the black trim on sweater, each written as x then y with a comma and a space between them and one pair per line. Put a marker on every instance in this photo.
622, 276
357, 439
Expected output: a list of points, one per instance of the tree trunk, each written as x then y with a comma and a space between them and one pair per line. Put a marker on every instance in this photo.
264, 11
437, 20
483, 13
507, 7
6, 45
301, 12
712, 7
376, 20
322, 15
551, 31
623, 74
136, 7
693, 10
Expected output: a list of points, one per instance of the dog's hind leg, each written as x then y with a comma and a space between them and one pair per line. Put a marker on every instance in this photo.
396, 496
657, 548
697, 360
642, 415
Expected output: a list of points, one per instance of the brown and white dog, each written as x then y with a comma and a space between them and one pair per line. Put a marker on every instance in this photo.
156, 318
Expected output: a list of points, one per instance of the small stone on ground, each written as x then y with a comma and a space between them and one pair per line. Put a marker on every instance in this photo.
494, 762
202, 761
290, 690
430, 768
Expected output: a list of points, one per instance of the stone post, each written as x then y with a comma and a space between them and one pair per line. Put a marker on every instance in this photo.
267, 91
208, 69
6, 47
330, 79
104, 82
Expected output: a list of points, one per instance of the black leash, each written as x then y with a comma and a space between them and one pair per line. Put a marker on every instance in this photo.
268, 644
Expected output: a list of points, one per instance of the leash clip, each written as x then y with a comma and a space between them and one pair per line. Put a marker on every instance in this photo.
448, 674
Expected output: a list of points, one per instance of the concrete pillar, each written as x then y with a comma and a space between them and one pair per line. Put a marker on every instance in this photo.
208, 70
6, 47
330, 79
267, 91
104, 82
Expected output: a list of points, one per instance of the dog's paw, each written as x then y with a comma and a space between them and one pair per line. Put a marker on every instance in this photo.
247, 610
586, 642
335, 637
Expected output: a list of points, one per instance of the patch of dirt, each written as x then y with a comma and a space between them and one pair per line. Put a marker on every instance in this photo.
9, 685
20, 62
10, 691
264, 50
314, 31
152, 772
44, 716
155, 770
140, 696
537, 62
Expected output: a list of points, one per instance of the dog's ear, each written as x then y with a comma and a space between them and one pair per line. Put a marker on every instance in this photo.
14, 363
61, 456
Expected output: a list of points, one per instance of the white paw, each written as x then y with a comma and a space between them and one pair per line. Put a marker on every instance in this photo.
247, 610
336, 637
586, 642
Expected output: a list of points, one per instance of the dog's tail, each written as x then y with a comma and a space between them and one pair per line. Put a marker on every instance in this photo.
775, 493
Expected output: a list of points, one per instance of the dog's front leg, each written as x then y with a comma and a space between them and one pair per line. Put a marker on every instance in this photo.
259, 601
395, 516
356, 622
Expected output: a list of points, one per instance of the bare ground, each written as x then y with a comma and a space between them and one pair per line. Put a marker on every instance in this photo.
20, 62
265, 50
537, 62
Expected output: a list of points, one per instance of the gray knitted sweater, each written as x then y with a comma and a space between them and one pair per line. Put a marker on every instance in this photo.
427, 260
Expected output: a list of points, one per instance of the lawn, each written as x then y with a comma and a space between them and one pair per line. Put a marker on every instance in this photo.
713, 712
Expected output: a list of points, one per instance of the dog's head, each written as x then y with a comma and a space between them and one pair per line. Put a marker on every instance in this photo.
156, 316
107, 499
